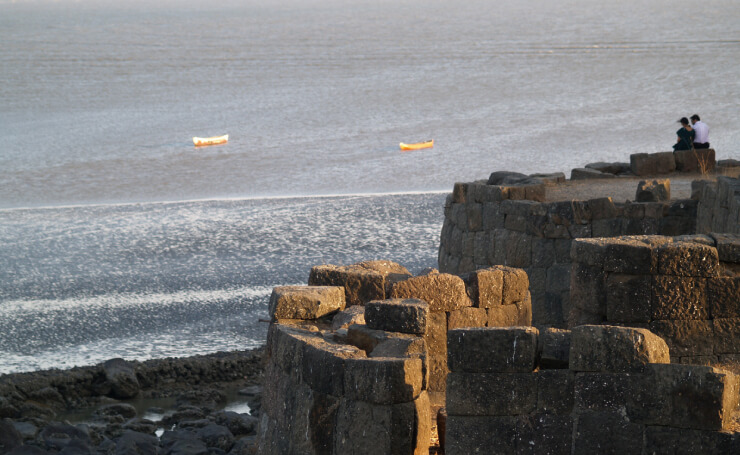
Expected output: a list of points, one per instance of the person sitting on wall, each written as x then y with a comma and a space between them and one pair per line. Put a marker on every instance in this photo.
701, 141
685, 136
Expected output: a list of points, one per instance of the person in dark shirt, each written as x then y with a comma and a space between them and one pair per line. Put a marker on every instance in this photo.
685, 136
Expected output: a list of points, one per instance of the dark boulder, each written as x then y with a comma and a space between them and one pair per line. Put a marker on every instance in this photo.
9, 437
59, 435
135, 443
217, 436
238, 424
122, 378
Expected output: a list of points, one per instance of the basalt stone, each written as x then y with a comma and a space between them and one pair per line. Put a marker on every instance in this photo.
601, 348
383, 380
727, 336
486, 287
238, 424
467, 317
728, 247
629, 255
588, 288
57, 436
506, 177
687, 337
121, 376
603, 208
662, 440
489, 394
124, 410
397, 315
436, 336
488, 350
690, 396
443, 292
611, 168
679, 298
438, 371
698, 160
550, 178
586, 173
628, 298
9, 437
519, 314
480, 434
605, 432
406, 347
554, 348
352, 315
545, 434
368, 339
687, 259
362, 282
217, 436
134, 443
643, 164
305, 302
28, 450
723, 296
653, 190
324, 366
555, 391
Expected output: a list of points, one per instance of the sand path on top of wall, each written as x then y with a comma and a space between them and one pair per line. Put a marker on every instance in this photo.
620, 189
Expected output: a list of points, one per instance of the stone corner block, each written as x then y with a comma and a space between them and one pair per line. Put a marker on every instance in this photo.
443, 291
603, 348
305, 302
492, 349
397, 315
383, 380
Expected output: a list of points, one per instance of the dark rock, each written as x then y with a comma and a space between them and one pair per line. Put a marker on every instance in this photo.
505, 177
134, 443
362, 282
184, 413
27, 430
10, 438
59, 435
210, 398
397, 315
122, 378
489, 350
653, 191
141, 426
217, 436
245, 446
238, 424
352, 315
77, 447
124, 410
28, 450
194, 424
603, 348
554, 348
585, 173
610, 168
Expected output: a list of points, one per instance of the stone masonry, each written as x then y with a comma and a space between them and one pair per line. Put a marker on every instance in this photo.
614, 392
342, 381
684, 289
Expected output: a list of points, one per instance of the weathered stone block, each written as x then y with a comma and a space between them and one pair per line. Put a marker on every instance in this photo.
689, 396
607, 392
368, 339
352, 315
653, 190
555, 391
515, 284
438, 373
723, 297
383, 380
728, 247
698, 160
476, 434
486, 287
629, 255
285, 345
460, 192
324, 365
604, 348
467, 317
679, 298
543, 252
436, 336
484, 394
443, 292
610, 227
545, 434
727, 336
488, 350
518, 314
362, 282
492, 216
687, 337
604, 432
363, 428
687, 259
588, 288
644, 164
405, 347
397, 315
662, 440
121, 377
305, 302
558, 278
628, 298
554, 348
519, 249
611, 168
586, 173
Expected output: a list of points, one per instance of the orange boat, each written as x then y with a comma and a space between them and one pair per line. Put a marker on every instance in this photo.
417, 146
215, 140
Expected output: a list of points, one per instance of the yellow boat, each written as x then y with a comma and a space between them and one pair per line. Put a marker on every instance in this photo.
417, 145
215, 140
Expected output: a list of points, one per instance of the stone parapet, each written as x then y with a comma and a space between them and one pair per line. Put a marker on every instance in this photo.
611, 398
685, 289
338, 380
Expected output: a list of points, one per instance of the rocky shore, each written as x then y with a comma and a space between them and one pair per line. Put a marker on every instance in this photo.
178, 406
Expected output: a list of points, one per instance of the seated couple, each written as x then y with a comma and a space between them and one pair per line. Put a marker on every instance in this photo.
692, 138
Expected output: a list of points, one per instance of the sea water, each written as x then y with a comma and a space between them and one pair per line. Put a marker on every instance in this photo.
119, 238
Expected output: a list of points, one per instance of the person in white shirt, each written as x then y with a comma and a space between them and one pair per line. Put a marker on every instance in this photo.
701, 141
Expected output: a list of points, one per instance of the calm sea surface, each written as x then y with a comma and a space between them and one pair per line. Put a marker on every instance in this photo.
119, 238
